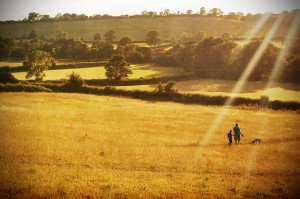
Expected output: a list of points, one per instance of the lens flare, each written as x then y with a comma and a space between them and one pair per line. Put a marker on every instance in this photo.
257, 27
275, 72
284, 50
242, 80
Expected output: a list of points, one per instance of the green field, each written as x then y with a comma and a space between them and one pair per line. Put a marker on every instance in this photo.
86, 146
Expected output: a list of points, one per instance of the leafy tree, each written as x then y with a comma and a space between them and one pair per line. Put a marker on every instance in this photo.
117, 68
33, 16
36, 63
202, 11
202, 52
46, 18
63, 48
189, 12
75, 82
110, 36
34, 44
231, 15
104, 50
153, 38
129, 50
216, 12
167, 12
79, 50
7, 46
125, 41
61, 35
168, 89
264, 64
221, 54
97, 37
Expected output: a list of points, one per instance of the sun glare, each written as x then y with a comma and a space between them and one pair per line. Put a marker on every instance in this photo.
242, 80
284, 50
275, 72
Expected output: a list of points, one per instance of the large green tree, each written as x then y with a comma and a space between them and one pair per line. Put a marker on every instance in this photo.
33, 16
36, 63
110, 36
153, 38
97, 37
125, 41
117, 68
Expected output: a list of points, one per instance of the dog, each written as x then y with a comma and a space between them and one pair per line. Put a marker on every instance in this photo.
256, 141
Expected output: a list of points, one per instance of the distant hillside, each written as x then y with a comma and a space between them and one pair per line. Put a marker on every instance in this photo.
137, 28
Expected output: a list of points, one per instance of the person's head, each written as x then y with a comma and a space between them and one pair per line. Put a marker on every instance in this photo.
230, 131
236, 124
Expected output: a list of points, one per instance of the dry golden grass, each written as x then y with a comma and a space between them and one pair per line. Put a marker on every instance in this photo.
212, 87
76, 146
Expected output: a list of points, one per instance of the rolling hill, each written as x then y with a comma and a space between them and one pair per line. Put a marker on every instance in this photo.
136, 28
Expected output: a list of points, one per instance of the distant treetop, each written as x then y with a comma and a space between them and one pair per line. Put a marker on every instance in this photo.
214, 12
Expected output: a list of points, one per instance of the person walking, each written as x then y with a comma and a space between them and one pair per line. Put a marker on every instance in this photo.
237, 133
229, 135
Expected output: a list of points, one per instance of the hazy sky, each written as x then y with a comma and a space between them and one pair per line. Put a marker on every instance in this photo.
19, 9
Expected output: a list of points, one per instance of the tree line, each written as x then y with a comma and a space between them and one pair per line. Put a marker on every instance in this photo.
226, 59
202, 12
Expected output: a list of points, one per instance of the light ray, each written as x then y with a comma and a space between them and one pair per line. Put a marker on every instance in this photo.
285, 50
257, 27
241, 82
275, 72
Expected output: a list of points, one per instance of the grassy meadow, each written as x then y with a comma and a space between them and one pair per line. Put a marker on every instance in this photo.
251, 89
86, 146
139, 70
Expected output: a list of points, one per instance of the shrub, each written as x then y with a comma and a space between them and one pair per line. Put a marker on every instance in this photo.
169, 89
75, 82
23, 88
6, 76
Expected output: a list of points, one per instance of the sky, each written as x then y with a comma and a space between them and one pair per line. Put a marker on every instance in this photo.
19, 9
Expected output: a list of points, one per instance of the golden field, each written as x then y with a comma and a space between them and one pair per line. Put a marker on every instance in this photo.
86, 146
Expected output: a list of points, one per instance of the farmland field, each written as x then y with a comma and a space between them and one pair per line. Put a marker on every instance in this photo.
145, 71
59, 62
77, 146
280, 91
252, 89
136, 28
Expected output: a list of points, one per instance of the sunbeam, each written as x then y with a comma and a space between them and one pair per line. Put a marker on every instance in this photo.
275, 72
285, 50
241, 82
257, 27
